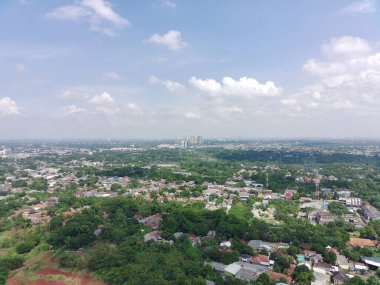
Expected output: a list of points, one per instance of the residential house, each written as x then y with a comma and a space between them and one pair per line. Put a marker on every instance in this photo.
339, 278
276, 277
260, 259
288, 194
342, 262
153, 236
372, 262
369, 212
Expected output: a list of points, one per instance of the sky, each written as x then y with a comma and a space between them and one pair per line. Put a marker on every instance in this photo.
127, 69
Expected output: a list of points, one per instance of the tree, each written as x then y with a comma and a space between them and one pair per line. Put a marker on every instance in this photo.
115, 186
263, 279
337, 208
329, 257
40, 184
354, 281
303, 275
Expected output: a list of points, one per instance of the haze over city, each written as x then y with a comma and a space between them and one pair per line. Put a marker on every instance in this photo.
167, 68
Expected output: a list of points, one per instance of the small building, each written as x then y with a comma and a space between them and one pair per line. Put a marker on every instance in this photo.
372, 262
342, 262
260, 259
369, 212
339, 278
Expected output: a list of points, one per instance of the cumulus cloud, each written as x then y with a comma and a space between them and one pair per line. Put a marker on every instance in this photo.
347, 47
8, 107
104, 104
102, 99
97, 13
71, 110
348, 81
172, 86
361, 6
74, 94
171, 39
111, 76
244, 87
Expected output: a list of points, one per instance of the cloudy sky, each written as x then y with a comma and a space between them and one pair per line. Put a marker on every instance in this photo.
170, 68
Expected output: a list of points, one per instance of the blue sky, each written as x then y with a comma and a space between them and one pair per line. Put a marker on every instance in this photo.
170, 68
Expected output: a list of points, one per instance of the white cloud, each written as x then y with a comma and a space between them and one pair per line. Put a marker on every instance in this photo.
111, 76
20, 67
172, 86
343, 105
244, 87
8, 107
347, 82
102, 99
168, 4
69, 12
347, 47
171, 39
192, 116
96, 12
235, 110
289, 102
70, 94
132, 106
107, 110
361, 6
71, 110
105, 104
103, 9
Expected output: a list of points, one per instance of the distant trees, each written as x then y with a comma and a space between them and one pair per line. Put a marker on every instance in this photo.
303, 275
19, 183
337, 208
40, 184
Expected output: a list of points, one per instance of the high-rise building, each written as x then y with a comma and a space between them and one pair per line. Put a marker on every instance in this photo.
185, 144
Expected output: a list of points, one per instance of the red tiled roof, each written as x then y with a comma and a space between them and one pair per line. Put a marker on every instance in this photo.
259, 259
273, 276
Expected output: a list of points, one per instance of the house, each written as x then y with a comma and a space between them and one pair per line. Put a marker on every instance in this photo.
260, 259
217, 266
245, 258
342, 262
339, 278
354, 202
194, 239
269, 246
326, 191
360, 268
323, 267
288, 194
361, 242
372, 262
153, 236
232, 268
320, 279
152, 221
313, 256
275, 277
369, 212
244, 196
325, 216
246, 275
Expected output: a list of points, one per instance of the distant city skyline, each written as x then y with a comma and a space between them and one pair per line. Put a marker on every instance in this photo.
99, 69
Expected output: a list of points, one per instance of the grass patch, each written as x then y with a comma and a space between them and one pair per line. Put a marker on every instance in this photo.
241, 211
